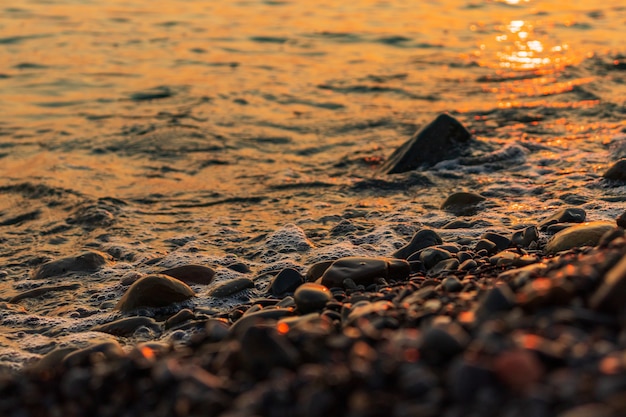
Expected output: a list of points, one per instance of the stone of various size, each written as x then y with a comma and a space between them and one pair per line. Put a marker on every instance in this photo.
364, 271
566, 215
231, 287
498, 299
263, 350
239, 267
311, 297
484, 244
439, 344
611, 295
182, 316
621, 220
502, 242
421, 239
432, 256
126, 326
191, 274
468, 265
525, 237
445, 265
154, 291
442, 139
451, 284
586, 234
90, 261
286, 281
317, 270
462, 203
617, 171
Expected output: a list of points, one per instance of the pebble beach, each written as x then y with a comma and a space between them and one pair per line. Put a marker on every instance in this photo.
275, 209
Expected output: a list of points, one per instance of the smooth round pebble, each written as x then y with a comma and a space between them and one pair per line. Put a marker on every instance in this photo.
311, 297
154, 291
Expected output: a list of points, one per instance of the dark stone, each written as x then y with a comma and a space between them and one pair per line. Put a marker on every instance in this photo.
286, 281
263, 350
85, 262
266, 317
109, 349
364, 271
231, 287
458, 224
317, 270
462, 203
432, 256
311, 297
440, 344
502, 242
468, 265
566, 215
498, 299
445, 265
621, 220
421, 239
154, 291
488, 245
182, 316
191, 274
617, 171
442, 139
126, 327
239, 267
525, 237
40, 291
611, 295
451, 284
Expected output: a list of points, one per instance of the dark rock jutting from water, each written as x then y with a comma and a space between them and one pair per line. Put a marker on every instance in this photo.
442, 139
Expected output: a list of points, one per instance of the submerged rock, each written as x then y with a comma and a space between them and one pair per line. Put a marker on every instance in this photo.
154, 291
586, 234
462, 203
442, 139
85, 262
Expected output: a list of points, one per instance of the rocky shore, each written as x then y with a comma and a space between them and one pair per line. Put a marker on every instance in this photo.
530, 324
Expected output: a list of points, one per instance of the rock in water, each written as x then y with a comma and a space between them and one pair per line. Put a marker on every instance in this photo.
364, 271
442, 139
154, 291
586, 234
462, 203
85, 262
617, 171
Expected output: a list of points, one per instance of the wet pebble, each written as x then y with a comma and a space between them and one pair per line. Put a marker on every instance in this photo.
90, 261
525, 237
154, 291
126, 326
311, 297
191, 274
566, 215
617, 171
231, 287
286, 281
462, 203
432, 256
421, 239
502, 242
364, 271
451, 284
586, 234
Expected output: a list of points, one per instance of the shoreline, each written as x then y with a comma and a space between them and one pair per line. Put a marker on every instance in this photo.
497, 328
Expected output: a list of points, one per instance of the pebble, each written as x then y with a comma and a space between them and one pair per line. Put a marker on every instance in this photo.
432, 256
462, 203
154, 291
566, 215
180, 317
487, 245
126, 326
40, 291
446, 265
442, 139
421, 239
586, 234
611, 295
239, 267
263, 350
90, 261
286, 281
110, 349
231, 287
525, 237
451, 284
311, 297
458, 224
497, 300
502, 242
191, 274
621, 220
519, 369
617, 171
316, 271
364, 271
442, 343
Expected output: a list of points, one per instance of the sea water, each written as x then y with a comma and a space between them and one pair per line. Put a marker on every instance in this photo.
211, 132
